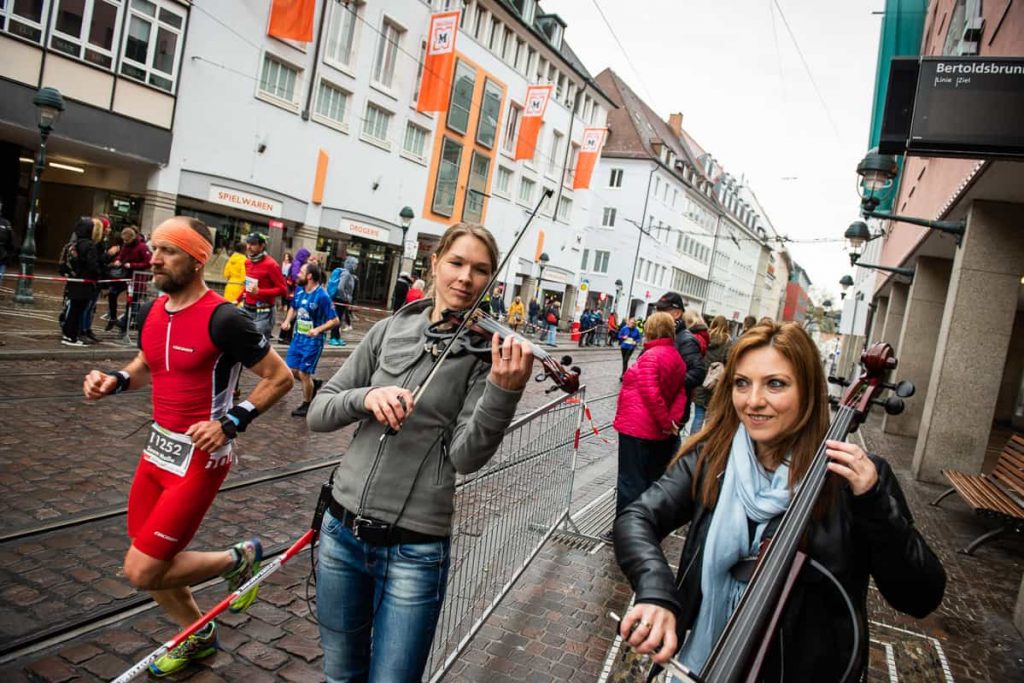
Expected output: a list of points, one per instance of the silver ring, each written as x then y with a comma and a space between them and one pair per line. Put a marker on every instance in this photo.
645, 624
506, 359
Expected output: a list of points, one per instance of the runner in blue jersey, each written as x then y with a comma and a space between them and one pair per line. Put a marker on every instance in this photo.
312, 313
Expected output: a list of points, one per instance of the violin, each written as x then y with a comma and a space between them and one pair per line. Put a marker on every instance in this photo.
743, 645
481, 327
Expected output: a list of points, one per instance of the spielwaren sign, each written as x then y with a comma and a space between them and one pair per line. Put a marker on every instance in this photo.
244, 200
962, 106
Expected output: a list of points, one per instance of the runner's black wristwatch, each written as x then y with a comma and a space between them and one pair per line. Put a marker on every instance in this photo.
228, 426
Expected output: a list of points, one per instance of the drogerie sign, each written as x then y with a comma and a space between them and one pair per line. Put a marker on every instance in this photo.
227, 196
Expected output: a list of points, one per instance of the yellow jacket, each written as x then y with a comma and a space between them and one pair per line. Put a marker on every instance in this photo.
234, 271
516, 313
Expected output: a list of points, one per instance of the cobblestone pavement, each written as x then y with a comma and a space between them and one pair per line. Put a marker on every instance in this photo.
552, 626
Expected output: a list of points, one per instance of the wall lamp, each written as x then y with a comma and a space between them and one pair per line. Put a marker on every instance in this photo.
877, 178
905, 272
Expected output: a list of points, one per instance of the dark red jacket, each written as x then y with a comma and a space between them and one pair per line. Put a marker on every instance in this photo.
269, 281
134, 255
653, 393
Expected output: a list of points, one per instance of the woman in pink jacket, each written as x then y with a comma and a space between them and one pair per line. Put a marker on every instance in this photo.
651, 405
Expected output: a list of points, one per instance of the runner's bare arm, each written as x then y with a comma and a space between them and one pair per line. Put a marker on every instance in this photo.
329, 325
98, 384
288, 319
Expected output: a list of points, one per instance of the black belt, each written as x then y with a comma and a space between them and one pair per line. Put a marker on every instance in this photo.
375, 532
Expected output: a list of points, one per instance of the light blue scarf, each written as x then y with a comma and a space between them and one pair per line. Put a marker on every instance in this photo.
748, 491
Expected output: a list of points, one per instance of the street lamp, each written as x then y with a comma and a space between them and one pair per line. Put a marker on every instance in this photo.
49, 105
878, 174
845, 282
544, 259
857, 234
405, 220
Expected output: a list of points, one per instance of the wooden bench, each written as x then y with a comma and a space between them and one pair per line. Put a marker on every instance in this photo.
999, 494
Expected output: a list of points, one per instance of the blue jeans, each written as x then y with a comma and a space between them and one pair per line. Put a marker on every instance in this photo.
379, 599
698, 418
552, 329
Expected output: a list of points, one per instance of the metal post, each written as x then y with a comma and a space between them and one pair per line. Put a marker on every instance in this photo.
639, 239
28, 246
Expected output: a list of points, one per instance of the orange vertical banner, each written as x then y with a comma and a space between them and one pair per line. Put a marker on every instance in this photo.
439, 64
540, 246
321, 177
590, 152
537, 97
292, 19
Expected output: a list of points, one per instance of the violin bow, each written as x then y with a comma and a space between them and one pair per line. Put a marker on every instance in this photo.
419, 390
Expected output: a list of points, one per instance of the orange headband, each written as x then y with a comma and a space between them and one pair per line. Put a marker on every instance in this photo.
186, 239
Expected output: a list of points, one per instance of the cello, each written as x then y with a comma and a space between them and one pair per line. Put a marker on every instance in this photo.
743, 645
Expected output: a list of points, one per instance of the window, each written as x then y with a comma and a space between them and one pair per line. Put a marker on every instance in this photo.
503, 184
574, 158
657, 185
555, 153
601, 261
476, 191
507, 44
508, 142
447, 177
586, 257
616, 178
490, 110
462, 97
341, 33
415, 142
376, 124
547, 206
480, 23
152, 44
278, 79
387, 54
331, 103
526, 190
608, 220
495, 34
85, 29
564, 209
24, 18
419, 70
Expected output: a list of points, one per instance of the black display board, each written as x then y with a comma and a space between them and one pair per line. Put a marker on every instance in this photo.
968, 106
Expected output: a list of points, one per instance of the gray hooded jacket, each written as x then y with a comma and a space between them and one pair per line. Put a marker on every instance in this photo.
409, 479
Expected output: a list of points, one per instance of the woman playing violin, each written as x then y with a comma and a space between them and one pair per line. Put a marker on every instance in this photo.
731, 482
384, 544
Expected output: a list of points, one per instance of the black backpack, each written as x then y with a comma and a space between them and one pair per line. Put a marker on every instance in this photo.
67, 265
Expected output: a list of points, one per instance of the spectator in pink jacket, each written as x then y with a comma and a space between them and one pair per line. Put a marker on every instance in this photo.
650, 410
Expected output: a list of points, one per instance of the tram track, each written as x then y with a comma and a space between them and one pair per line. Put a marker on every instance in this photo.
269, 476
58, 634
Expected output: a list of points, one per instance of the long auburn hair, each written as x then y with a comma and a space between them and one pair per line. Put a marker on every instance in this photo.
722, 421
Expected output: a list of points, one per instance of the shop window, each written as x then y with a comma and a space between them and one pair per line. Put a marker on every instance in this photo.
376, 124
278, 80
387, 54
24, 18
508, 142
503, 183
152, 44
476, 192
447, 177
490, 109
462, 97
341, 35
85, 29
332, 105
526, 190
415, 142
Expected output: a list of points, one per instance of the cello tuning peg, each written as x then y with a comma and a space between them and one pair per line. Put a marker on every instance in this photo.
905, 389
893, 405
575, 370
566, 360
841, 381
833, 401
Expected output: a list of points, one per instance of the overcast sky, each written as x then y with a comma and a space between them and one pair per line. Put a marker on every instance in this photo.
735, 73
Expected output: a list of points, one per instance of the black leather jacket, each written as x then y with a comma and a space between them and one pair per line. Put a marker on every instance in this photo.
871, 535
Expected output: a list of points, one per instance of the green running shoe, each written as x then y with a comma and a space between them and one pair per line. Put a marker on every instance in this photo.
196, 647
250, 554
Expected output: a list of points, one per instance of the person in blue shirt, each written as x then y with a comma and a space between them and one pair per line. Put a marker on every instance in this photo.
629, 337
313, 314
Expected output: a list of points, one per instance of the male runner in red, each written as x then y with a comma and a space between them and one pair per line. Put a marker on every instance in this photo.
193, 345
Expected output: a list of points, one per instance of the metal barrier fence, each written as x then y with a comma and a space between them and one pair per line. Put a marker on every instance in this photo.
504, 513
140, 290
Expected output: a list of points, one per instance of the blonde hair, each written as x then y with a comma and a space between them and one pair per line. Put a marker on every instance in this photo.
458, 230
660, 326
719, 330
690, 318
128, 234
97, 230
